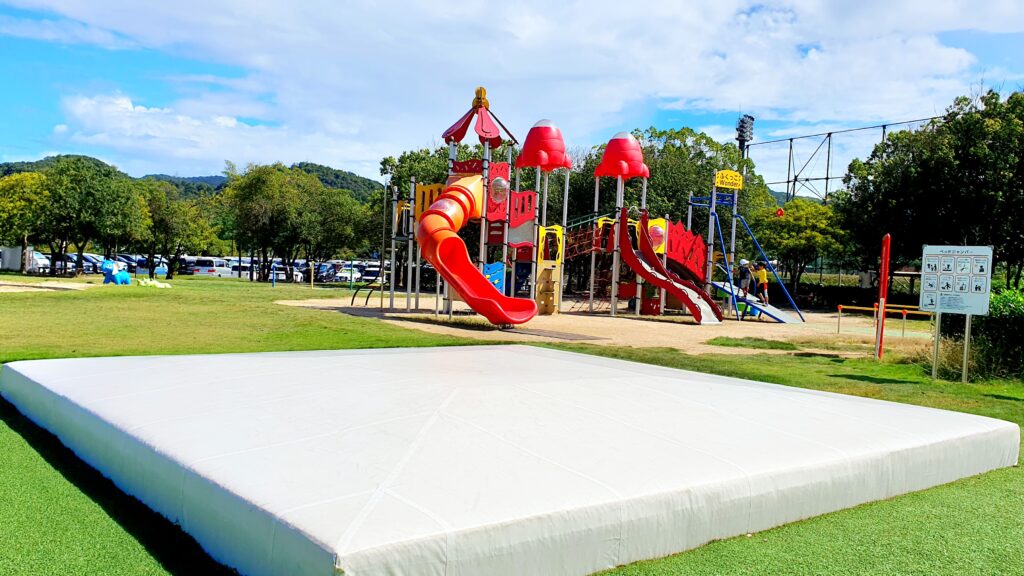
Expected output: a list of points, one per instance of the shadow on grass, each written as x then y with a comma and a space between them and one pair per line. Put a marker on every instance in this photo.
176, 551
1004, 397
873, 379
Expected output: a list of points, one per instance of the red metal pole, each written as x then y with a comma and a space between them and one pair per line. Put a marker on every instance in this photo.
883, 292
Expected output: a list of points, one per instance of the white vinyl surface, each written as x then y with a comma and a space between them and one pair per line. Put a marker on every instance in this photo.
497, 460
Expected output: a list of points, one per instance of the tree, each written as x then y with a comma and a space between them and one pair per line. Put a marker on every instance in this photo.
80, 190
176, 225
329, 222
805, 231
261, 205
22, 198
122, 217
278, 211
955, 181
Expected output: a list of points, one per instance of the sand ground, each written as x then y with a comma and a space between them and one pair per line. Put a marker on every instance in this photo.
48, 285
817, 334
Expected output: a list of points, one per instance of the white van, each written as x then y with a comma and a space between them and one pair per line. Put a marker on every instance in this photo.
217, 267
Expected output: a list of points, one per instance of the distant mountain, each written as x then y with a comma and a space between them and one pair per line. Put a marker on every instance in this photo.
7, 168
780, 197
334, 178
192, 186
215, 181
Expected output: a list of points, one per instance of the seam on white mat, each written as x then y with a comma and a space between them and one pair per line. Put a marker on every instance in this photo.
364, 513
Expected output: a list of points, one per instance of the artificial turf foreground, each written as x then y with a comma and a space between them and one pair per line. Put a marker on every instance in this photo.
58, 516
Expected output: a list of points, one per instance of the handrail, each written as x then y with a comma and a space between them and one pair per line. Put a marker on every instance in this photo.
728, 269
874, 309
583, 220
769, 264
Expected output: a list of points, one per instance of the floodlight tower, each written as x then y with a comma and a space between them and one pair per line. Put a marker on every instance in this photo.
744, 134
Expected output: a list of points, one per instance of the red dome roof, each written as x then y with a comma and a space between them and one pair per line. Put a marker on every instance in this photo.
623, 157
544, 148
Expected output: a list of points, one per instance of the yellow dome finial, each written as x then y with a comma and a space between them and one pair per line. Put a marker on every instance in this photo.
481, 98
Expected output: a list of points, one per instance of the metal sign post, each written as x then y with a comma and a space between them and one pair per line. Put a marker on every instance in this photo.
967, 349
958, 280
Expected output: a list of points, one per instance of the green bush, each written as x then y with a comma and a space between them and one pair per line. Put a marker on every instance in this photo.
997, 340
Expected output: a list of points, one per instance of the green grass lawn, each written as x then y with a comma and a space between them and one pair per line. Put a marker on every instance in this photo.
58, 516
750, 342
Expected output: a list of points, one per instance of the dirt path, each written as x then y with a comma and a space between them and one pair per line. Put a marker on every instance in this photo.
677, 332
45, 286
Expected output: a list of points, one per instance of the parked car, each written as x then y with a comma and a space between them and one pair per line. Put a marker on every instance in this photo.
217, 267
94, 261
187, 265
350, 275
143, 266
372, 273
40, 264
129, 260
63, 265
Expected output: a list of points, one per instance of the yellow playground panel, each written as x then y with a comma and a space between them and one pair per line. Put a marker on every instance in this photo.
426, 194
659, 223
550, 251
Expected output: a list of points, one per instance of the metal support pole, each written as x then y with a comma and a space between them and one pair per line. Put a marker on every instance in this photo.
828, 166
593, 250
437, 293
904, 324
448, 304
711, 236
486, 170
536, 225
544, 203
565, 238
689, 210
383, 247
511, 264
839, 321
394, 248
936, 345
409, 241
732, 240
967, 349
789, 173
419, 269
639, 279
619, 193
664, 262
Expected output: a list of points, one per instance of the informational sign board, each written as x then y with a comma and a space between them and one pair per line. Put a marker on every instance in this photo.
728, 179
956, 279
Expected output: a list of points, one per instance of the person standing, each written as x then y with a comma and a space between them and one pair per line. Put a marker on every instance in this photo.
761, 276
745, 277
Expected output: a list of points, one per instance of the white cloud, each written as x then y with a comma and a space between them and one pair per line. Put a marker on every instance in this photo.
344, 82
63, 31
150, 139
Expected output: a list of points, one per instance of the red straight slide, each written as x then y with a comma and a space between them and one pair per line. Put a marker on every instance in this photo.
643, 240
446, 252
636, 261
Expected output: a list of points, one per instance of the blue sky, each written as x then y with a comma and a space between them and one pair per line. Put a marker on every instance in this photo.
181, 87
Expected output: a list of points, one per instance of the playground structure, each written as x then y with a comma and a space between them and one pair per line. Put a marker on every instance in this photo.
518, 269
733, 181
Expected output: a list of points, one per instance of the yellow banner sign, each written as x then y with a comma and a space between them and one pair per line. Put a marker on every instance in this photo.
728, 179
